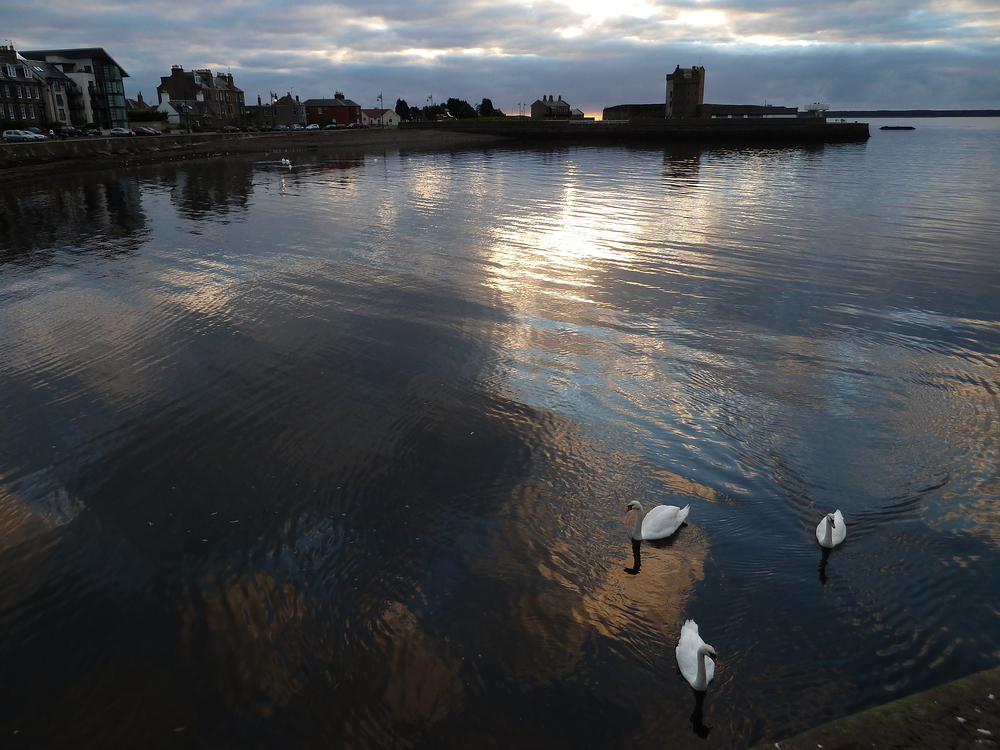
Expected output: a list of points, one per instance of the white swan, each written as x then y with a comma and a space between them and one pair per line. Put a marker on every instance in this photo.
831, 530
659, 523
696, 658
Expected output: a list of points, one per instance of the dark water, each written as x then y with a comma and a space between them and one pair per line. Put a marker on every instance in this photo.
337, 455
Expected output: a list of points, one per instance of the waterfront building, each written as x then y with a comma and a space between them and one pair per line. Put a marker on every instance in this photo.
746, 111
336, 111
201, 99
685, 91
98, 92
685, 98
634, 112
548, 109
278, 110
379, 118
21, 95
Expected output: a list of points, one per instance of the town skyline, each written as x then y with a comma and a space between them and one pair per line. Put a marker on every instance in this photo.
851, 55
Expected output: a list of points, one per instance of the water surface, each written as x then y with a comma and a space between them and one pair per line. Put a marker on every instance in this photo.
337, 455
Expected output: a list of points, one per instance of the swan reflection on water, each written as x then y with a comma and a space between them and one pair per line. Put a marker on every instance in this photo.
822, 564
697, 716
637, 550
636, 558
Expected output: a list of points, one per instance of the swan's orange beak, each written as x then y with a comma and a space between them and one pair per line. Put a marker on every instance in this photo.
628, 508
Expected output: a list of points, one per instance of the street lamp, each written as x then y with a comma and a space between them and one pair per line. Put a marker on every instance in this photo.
381, 112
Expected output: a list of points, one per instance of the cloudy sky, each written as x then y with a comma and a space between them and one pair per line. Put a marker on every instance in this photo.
594, 53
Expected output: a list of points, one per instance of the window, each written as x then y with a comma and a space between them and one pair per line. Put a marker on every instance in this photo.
31, 112
34, 91
17, 90
59, 100
62, 114
24, 112
6, 90
56, 86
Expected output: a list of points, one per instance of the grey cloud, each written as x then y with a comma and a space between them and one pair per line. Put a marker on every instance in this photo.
863, 54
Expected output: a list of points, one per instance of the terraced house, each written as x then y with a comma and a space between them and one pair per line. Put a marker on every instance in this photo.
201, 99
21, 93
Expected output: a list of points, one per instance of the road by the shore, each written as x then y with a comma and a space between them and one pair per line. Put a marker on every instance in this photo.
962, 714
20, 162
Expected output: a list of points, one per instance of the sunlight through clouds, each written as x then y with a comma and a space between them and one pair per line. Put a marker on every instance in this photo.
863, 54
601, 9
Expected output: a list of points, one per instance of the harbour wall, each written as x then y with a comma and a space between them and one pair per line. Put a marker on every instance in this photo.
774, 132
30, 160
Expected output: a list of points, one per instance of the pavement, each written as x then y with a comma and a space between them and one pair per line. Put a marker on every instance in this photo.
962, 714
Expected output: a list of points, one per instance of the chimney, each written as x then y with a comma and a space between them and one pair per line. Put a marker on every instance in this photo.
258, 100
296, 97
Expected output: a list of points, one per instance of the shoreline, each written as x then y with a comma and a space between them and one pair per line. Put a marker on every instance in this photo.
959, 714
26, 162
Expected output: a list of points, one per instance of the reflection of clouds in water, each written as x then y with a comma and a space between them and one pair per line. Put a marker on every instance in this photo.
230, 631
556, 561
422, 681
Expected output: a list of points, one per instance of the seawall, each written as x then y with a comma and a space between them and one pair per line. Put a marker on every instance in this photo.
20, 161
961, 714
772, 132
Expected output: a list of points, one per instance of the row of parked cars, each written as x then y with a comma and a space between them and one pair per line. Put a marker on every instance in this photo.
18, 136
28, 135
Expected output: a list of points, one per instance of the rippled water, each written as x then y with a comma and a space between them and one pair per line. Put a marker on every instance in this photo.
337, 455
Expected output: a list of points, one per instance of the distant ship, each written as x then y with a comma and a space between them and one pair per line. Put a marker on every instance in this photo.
897, 127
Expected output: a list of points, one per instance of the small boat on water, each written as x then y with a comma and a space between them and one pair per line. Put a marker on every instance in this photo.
897, 127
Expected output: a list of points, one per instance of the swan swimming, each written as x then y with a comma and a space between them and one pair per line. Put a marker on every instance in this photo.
659, 523
831, 530
696, 659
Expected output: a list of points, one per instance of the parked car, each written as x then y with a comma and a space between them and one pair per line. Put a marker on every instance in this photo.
266, 128
249, 129
296, 126
331, 126
281, 128
356, 126
230, 129
312, 126
67, 131
119, 131
139, 130
93, 132
16, 136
